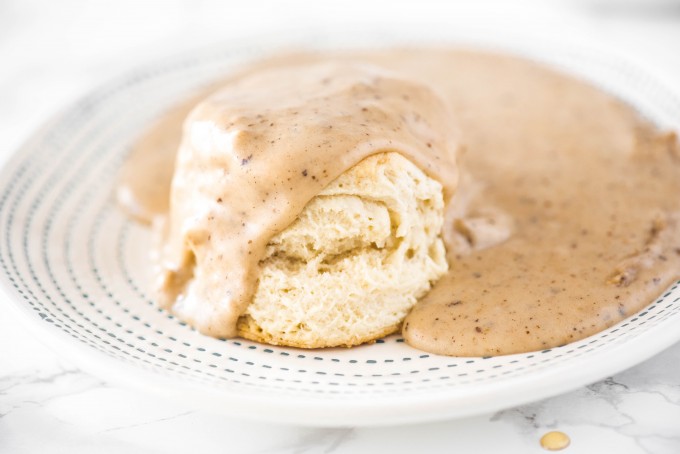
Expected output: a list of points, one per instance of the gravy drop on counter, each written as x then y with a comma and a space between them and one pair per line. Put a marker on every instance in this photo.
555, 441
565, 219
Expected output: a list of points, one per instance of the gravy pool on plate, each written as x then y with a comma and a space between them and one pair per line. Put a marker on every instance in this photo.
565, 221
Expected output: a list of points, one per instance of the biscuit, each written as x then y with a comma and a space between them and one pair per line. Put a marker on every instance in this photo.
355, 261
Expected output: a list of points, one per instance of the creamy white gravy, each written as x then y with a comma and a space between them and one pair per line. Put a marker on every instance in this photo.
566, 220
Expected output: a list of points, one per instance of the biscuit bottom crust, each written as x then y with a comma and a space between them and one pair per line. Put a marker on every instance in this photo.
249, 329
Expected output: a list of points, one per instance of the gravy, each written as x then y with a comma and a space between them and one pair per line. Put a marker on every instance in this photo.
565, 221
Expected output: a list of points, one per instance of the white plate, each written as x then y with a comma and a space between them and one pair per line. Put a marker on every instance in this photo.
77, 270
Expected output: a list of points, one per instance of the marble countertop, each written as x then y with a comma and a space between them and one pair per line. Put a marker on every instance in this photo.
52, 52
